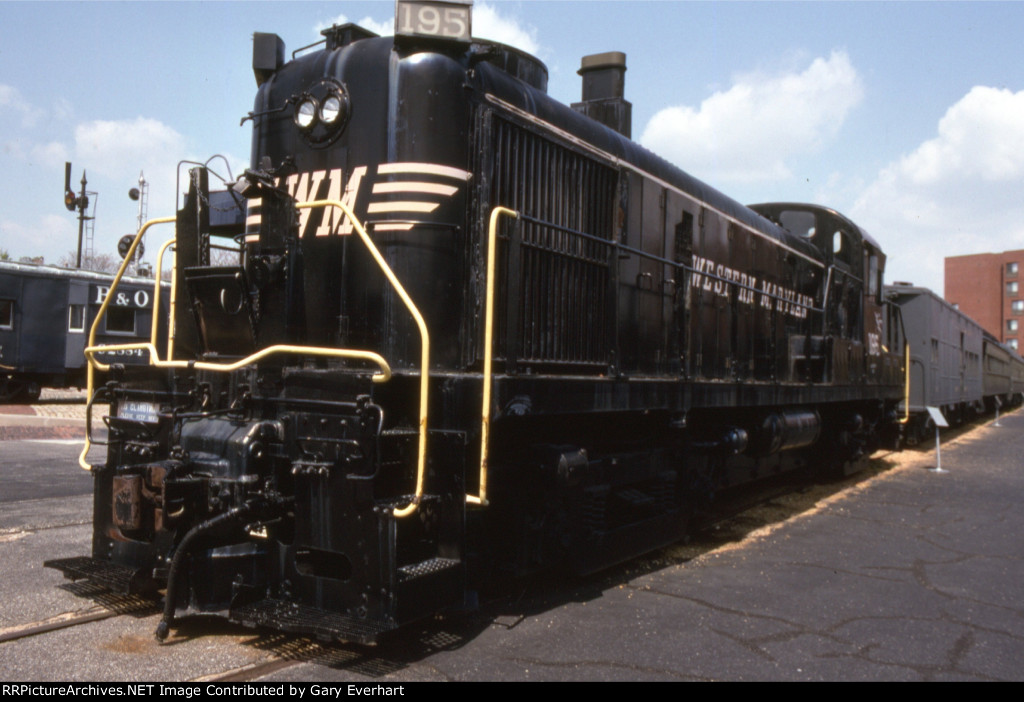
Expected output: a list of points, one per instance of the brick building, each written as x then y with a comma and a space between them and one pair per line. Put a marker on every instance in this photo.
989, 288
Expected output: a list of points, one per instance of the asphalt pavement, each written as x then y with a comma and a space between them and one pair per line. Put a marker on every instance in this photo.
911, 575
914, 575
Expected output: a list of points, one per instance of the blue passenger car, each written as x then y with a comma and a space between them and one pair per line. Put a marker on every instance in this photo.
45, 317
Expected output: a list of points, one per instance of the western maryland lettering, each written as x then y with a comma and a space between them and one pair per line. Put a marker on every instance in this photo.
401, 194
720, 280
306, 187
725, 282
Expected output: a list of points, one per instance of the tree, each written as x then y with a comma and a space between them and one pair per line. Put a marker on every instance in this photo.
101, 263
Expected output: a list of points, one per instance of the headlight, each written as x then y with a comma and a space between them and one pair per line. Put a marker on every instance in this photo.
322, 110
305, 113
332, 109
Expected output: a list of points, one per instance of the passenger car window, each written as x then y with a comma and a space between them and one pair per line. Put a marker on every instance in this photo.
6, 314
120, 321
76, 318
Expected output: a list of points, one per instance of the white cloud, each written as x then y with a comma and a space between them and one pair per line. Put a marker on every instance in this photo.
960, 192
981, 136
51, 237
115, 148
12, 101
113, 153
488, 23
51, 155
750, 132
385, 28
62, 109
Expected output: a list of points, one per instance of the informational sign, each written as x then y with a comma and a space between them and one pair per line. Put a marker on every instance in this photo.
139, 412
940, 423
936, 414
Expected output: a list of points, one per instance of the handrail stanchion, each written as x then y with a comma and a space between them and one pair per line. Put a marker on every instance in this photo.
154, 328
421, 462
130, 256
485, 412
906, 383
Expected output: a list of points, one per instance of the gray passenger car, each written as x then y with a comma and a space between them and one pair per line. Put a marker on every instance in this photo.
954, 364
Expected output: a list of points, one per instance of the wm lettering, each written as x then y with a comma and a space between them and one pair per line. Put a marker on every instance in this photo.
325, 185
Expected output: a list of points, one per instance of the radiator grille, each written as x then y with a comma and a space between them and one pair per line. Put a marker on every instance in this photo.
557, 309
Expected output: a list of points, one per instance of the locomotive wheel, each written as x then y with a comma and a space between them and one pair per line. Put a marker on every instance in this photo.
14, 390
30, 393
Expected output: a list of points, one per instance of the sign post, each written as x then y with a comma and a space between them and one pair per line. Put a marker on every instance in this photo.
940, 423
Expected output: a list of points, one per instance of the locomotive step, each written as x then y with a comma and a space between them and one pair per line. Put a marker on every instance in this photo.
400, 431
425, 568
114, 576
311, 621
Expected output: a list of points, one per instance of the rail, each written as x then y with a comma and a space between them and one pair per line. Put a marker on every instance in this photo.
383, 375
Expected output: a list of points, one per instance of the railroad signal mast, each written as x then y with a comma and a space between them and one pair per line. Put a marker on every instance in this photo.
80, 203
140, 195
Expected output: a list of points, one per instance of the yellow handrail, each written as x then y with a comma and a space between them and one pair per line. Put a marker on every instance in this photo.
421, 461
103, 310
154, 357
382, 376
485, 412
156, 301
906, 383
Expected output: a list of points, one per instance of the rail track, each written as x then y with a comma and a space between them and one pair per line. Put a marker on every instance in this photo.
55, 623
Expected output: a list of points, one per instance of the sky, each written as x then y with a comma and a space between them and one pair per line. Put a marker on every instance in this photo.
908, 117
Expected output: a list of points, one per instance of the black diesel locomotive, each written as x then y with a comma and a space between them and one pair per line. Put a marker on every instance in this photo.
471, 331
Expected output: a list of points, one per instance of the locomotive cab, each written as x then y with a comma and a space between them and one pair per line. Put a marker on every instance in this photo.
852, 292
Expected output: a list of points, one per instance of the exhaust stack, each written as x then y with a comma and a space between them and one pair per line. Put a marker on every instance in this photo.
603, 89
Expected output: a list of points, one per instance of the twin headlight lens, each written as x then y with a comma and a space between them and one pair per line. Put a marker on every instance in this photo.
331, 111
305, 113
